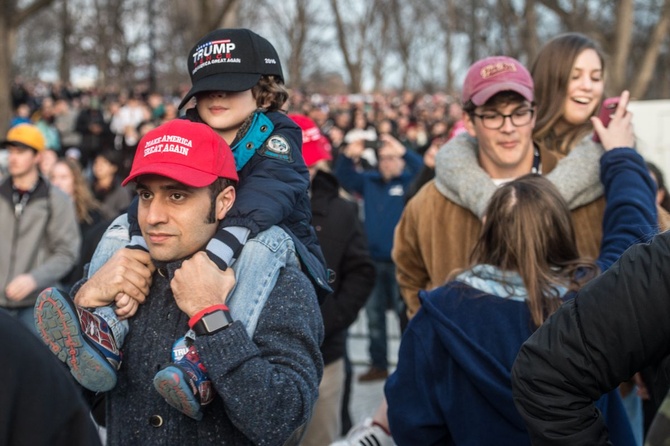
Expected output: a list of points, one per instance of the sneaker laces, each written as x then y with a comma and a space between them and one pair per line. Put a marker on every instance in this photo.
91, 329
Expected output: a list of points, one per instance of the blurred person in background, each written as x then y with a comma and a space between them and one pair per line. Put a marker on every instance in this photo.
344, 246
126, 118
66, 174
47, 160
41, 406
94, 130
662, 196
21, 115
39, 236
383, 192
65, 121
114, 198
45, 119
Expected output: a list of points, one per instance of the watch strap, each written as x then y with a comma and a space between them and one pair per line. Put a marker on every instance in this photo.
197, 316
212, 322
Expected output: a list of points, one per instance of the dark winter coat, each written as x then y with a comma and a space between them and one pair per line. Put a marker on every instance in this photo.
344, 246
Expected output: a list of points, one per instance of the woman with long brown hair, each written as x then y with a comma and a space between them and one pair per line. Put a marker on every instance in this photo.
569, 78
66, 174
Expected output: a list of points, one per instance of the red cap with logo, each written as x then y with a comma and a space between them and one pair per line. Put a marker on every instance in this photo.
315, 146
490, 76
185, 151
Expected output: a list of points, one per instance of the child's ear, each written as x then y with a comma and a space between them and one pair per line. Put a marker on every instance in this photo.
224, 201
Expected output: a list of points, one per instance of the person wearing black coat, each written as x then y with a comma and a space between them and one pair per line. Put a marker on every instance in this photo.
94, 130
344, 245
40, 405
616, 326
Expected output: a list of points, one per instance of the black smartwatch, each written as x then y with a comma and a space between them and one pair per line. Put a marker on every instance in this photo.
212, 323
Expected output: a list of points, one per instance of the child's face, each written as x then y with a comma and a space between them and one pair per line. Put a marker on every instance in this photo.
225, 111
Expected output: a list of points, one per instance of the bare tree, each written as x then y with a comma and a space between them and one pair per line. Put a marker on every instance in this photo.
423, 44
648, 64
620, 27
447, 15
66, 32
294, 24
353, 37
624, 29
380, 47
529, 30
213, 14
13, 17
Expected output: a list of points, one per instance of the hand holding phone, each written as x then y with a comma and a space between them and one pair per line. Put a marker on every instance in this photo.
614, 126
605, 114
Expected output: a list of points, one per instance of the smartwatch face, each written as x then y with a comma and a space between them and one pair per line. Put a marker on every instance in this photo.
214, 321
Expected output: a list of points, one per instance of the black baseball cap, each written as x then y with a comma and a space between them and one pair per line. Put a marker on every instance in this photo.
230, 60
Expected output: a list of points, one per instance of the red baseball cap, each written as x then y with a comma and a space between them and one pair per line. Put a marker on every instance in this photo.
490, 76
315, 146
185, 151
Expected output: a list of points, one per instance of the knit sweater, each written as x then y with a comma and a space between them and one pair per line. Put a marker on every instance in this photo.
266, 386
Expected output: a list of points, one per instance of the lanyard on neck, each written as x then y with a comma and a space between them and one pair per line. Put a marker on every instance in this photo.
537, 161
20, 199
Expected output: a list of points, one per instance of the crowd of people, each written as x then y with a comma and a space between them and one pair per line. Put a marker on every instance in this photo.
195, 260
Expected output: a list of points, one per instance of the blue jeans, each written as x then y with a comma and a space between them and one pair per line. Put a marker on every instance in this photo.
115, 237
256, 273
384, 295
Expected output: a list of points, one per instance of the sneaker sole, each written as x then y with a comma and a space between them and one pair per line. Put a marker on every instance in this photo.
173, 387
57, 322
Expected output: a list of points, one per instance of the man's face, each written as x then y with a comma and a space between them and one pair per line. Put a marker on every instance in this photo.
173, 217
22, 161
506, 152
390, 164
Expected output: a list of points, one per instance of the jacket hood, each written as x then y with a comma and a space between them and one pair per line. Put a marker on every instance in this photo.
482, 334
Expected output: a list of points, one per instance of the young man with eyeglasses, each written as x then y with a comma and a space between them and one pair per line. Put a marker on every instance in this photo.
435, 235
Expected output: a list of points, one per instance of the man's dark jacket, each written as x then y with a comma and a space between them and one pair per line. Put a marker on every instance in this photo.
344, 246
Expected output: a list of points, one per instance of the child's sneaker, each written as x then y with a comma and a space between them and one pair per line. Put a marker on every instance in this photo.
81, 339
367, 433
185, 384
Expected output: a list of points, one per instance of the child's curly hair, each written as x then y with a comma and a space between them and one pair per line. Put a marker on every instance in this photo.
270, 93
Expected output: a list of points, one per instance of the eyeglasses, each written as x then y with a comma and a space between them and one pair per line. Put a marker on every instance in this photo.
495, 120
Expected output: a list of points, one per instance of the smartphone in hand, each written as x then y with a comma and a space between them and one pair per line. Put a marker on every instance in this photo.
605, 114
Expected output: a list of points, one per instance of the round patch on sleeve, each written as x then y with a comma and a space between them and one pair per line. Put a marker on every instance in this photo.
277, 147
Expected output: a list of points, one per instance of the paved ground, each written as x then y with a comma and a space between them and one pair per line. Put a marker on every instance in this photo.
365, 397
